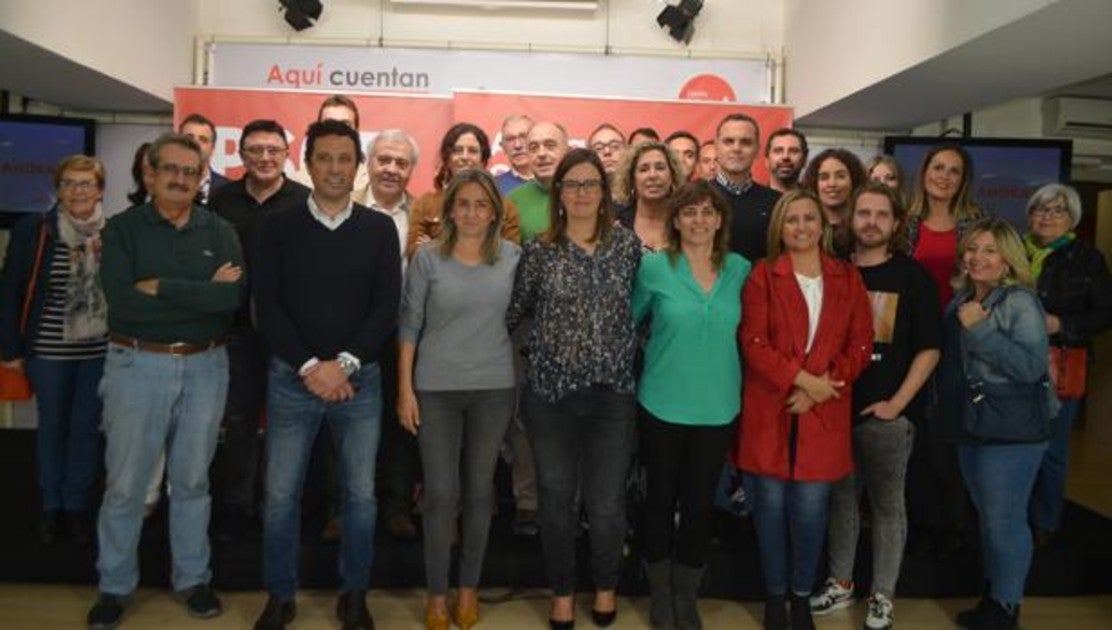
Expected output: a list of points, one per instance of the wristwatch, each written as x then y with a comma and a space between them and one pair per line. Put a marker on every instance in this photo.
347, 365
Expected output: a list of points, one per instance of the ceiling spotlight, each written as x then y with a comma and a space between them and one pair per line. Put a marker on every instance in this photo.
679, 19
300, 14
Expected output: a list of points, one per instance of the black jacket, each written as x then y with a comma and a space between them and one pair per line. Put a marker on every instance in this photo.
1075, 285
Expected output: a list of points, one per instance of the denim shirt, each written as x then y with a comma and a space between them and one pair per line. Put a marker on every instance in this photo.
1008, 346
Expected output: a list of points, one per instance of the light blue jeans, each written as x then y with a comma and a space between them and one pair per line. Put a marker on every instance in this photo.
999, 478
154, 401
294, 416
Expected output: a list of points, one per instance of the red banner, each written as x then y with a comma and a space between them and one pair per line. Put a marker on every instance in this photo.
426, 118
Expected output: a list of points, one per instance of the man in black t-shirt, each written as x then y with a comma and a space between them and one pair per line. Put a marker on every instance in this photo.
907, 338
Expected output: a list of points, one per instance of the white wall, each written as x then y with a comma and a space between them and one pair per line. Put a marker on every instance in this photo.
724, 27
837, 48
146, 43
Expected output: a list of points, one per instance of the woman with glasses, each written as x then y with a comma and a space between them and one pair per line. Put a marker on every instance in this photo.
464, 146
575, 282
53, 326
1073, 283
456, 382
647, 176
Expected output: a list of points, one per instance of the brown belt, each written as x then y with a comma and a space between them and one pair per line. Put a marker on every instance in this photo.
177, 349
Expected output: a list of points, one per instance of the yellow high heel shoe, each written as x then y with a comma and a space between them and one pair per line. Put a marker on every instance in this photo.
436, 619
467, 616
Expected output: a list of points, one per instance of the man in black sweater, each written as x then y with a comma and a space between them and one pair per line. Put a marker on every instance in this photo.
737, 142
327, 285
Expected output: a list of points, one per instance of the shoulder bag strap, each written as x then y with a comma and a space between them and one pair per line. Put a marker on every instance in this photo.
35, 269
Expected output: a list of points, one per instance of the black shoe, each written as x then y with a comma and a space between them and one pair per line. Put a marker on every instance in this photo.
50, 527
800, 612
603, 619
79, 527
107, 612
351, 609
200, 601
276, 614
995, 616
775, 613
561, 625
971, 617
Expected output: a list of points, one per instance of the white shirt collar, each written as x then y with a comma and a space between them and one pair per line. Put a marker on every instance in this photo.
325, 220
401, 206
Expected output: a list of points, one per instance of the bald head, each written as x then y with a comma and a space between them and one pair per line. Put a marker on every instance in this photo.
547, 144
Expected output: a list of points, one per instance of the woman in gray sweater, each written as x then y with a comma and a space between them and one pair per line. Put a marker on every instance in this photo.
456, 381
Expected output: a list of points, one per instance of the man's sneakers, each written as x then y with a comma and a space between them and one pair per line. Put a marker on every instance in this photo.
833, 596
107, 612
878, 614
200, 601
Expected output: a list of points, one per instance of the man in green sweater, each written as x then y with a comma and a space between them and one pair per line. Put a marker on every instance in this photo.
547, 144
172, 275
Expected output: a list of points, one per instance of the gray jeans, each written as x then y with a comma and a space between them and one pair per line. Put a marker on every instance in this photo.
459, 439
880, 450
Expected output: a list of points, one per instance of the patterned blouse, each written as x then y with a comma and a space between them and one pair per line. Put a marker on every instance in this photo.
582, 329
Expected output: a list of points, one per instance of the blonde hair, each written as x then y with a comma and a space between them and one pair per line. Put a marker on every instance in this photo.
779, 214
80, 164
1008, 244
449, 236
624, 187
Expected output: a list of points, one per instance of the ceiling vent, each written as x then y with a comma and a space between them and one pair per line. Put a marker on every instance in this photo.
1077, 117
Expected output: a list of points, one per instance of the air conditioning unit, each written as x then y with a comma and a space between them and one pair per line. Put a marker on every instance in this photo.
554, 5
1077, 117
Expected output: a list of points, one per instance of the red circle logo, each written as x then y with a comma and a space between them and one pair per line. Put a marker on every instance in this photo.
707, 87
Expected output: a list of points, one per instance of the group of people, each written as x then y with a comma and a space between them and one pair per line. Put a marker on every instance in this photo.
597, 309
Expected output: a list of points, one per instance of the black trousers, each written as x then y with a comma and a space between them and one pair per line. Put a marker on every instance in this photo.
247, 363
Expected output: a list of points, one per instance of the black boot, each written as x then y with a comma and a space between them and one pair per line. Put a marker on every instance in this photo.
995, 616
801, 612
968, 618
685, 588
775, 613
662, 609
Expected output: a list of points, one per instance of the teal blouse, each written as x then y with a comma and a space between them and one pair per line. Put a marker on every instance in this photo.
692, 372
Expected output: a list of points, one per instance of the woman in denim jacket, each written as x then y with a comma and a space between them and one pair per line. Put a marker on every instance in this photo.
995, 321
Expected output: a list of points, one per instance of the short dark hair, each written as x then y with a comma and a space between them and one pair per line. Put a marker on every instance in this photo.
339, 100
788, 131
676, 135
645, 131
557, 218
262, 126
691, 193
738, 117
197, 119
331, 128
454, 133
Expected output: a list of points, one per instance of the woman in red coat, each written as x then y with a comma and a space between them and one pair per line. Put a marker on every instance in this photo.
806, 335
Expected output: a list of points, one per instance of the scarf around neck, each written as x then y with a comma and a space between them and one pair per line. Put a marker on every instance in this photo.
1038, 254
85, 313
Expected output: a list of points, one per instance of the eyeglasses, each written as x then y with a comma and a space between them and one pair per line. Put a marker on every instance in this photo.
80, 185
585, 186
1051, 212
173, 170
613, 146
258, 151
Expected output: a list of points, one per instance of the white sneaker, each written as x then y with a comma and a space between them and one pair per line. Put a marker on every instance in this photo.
833, 596
879, 613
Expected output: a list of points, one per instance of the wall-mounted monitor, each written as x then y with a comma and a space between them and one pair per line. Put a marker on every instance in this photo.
30, 148
1006, 171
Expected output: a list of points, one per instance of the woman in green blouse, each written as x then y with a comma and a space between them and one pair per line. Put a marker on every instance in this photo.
689, 392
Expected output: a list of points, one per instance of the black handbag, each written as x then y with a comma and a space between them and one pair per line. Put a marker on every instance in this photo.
1005, 412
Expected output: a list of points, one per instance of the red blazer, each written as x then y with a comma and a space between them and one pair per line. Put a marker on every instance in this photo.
773, 335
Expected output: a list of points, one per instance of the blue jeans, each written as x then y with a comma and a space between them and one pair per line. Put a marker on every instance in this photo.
155, 401
582, 442
791, 519
999, 478
294, 416
69, 439
1049, 495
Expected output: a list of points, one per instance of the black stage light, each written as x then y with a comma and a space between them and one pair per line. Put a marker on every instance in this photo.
679, 19
300, 14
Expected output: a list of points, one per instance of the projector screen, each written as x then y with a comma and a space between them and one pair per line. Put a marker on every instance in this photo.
30, 148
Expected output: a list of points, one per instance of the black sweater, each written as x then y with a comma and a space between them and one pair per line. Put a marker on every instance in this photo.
320, 292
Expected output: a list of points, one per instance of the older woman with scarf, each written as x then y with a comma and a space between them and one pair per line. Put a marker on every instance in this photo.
53, 325
1075, 289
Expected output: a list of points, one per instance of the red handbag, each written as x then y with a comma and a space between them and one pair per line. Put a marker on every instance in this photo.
14, 386
1069, 367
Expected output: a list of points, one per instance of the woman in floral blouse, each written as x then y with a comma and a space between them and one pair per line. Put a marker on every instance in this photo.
575, 282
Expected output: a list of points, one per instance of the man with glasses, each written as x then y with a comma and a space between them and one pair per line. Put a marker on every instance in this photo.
514, 142
172, 276
203, 133
263, 190
609, 144
547, 143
